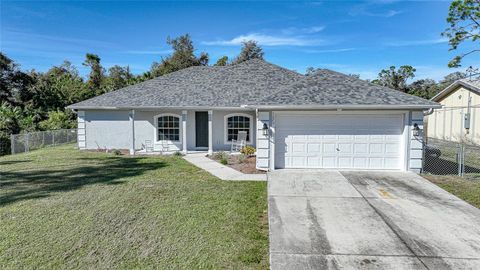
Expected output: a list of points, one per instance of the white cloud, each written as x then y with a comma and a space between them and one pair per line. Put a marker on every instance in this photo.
374, 9
386, 14
304, 30
403, 43
268, 40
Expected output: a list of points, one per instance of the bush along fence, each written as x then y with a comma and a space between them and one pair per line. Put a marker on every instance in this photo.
25, 142
451, 158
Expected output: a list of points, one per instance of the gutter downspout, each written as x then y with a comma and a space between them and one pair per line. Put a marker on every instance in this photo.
428, 112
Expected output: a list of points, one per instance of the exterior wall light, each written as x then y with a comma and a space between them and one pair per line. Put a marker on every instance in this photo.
416, 130
265, 129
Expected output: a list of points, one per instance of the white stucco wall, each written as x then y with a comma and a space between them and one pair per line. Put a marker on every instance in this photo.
264, 145
415, 150
111, 129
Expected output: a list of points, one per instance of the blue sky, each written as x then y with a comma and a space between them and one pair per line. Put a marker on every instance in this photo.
350, 37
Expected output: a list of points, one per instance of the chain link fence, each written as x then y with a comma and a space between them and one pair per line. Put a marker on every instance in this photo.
451, 158
25, 142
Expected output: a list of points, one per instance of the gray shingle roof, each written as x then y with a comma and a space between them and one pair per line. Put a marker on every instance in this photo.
327, 87
212, 86
253, 83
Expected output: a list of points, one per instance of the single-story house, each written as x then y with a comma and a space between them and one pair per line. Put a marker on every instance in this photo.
324, 120
459, 118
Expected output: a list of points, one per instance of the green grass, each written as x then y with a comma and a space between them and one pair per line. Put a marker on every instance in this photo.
62, 208
465, 189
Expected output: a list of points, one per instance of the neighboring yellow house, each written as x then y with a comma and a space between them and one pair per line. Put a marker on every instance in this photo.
448, 123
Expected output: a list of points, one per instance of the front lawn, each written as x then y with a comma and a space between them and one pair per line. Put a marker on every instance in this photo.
63, 208
465, 189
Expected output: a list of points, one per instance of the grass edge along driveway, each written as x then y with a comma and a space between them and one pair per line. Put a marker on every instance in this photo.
64, 208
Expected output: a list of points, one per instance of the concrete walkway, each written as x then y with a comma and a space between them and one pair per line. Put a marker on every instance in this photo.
221, 171
368, 220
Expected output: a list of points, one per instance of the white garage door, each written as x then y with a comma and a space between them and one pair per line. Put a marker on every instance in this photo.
339, 141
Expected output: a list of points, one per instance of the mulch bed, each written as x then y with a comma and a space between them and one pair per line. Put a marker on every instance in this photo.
247, 166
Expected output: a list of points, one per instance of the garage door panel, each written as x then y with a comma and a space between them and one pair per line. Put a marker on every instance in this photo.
298, 161
313, 162
375, 162
344, 148
339, 141
360, 148
314, 147
391, 162
329, 148
360, 162
376, 148
329, 162
345, 162
298, 147
392, 148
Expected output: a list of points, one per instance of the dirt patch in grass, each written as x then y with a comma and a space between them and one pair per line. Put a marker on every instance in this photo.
240, 162
464, 188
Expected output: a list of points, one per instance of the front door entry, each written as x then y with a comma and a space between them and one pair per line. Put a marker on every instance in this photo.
201, 129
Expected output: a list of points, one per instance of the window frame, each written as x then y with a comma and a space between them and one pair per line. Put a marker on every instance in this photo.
225, 127
155, 119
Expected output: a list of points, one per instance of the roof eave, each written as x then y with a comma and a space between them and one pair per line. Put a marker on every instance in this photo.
80, 107
347, 107
452, 87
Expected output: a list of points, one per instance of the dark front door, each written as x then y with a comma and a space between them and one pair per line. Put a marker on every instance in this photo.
201, 129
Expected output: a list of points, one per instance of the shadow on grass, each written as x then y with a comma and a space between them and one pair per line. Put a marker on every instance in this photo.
440, 166
10, 162
22, 185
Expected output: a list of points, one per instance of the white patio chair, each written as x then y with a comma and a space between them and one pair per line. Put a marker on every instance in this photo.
148, 146
164, 146
240, 142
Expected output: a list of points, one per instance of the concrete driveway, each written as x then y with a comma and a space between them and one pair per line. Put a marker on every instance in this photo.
368, 220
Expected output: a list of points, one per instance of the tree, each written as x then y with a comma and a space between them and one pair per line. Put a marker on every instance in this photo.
58, 120
425, 88
58, 87
118, 77
10, 123
222, 61
14, 84
451, 78
96, 76
182, 57
310, 71
464, 19
250, 50
395, 78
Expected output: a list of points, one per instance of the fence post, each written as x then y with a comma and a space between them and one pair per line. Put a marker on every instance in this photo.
463, 160
43, 138
67, 135
26, 137
12, 143
53, 137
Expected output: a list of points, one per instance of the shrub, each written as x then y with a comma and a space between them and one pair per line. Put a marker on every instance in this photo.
224, 161
220, 155
241, 158
116, 152
178, 154
248, 150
